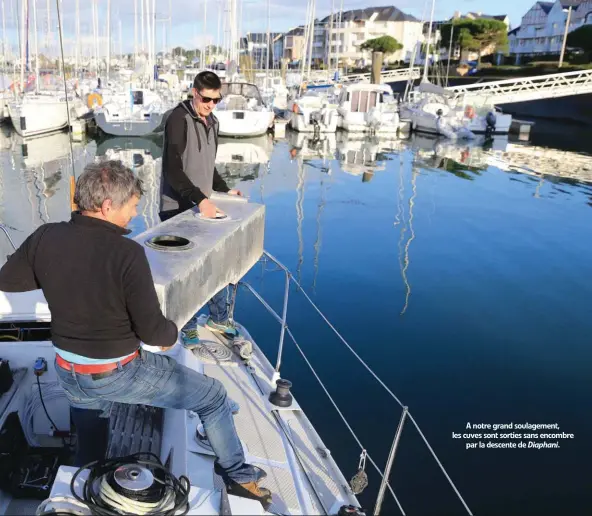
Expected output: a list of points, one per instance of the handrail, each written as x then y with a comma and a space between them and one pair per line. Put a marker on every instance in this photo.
406, 414
525, 88
403, 73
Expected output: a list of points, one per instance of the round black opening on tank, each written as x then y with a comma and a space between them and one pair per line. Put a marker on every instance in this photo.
169, 243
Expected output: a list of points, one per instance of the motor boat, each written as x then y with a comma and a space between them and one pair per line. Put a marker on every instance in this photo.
437, 110
364, 108
314, 112
135, 112
242, 112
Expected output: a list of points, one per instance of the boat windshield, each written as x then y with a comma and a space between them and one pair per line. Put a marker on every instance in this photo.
249, 91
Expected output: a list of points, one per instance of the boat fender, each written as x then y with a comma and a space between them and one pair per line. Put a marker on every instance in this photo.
94, 99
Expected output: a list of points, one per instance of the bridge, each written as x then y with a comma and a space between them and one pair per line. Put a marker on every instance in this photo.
400, 74
529, 88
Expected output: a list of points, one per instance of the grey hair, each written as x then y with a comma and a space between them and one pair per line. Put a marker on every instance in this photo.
106, 180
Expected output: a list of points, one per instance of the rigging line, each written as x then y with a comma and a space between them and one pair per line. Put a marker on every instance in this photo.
364, 364
411, 238
66, 89
440, 464
289, 332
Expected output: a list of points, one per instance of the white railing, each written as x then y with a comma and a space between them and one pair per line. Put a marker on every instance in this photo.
401, 74
530, 88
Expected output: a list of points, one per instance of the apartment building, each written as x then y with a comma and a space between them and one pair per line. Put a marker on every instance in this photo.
543, 27
290, 45
345, 36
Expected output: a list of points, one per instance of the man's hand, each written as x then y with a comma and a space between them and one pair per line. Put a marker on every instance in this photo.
208, 209
163, 348
234, 191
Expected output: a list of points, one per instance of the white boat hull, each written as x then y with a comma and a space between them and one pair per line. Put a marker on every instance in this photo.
301, 122
502, 124
129, 127
38, 115
243, 124
356, 123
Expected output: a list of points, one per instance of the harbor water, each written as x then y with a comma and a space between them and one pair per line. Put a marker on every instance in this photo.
458, 272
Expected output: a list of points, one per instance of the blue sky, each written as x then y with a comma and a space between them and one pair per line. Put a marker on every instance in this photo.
188, 17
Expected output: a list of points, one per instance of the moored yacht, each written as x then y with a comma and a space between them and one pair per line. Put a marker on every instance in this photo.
368, 108
242, 111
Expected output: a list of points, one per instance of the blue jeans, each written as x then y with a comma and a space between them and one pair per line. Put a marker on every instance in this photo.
218, 305
159, 381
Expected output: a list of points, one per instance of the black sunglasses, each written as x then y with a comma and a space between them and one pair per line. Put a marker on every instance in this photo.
207, 100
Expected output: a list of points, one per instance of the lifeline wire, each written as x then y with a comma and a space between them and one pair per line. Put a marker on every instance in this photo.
374, 375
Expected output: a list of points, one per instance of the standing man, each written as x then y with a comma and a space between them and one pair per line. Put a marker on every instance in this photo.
189, 174
101, 295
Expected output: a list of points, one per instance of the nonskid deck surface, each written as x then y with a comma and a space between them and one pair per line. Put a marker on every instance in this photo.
300, 473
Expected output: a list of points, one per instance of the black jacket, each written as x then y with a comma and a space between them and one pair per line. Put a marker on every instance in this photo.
98, 285
177, 185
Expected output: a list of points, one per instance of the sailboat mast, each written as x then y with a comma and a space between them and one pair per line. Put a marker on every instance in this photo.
312, 32
218, 31
202, 60
153, 42
425, 64
108, 37
135, 31
48, 24
340, 36
36, 49
76, 50
94, 24
331, 35
3, 42
267, 45
120, 41
23, 46
304, 46
142, 26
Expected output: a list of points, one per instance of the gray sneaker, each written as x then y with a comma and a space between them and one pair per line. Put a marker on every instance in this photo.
227, 328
